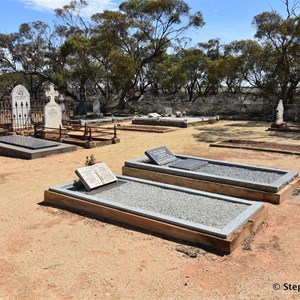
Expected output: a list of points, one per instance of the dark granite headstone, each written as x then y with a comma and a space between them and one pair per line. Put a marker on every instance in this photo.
188, 164
26, 142
160, 156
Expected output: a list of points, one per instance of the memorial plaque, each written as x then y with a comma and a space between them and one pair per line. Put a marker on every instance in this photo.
26, 142
95, 176
188, 164
160, 156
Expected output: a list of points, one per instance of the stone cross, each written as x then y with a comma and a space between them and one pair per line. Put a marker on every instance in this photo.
53, 111
279, 113
52, 93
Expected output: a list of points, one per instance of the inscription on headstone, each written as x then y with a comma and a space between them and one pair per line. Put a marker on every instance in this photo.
20, 107
160, 156
95, 176
53, 112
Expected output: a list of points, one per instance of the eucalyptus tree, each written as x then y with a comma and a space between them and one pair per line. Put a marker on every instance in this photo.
31, 53
143, 30
281, 41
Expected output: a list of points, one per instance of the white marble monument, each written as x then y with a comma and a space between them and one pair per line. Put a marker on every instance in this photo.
53, 112
279, 113
20, 107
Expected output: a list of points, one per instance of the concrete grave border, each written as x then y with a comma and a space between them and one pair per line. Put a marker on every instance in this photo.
225, 239
273, 193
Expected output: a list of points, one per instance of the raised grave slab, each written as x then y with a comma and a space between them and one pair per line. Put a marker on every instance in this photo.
27, 142
31, 148
239, 180
207, 219
183, 122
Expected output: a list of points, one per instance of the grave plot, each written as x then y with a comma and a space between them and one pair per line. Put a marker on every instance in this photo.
31, 148
212, 220
173, 121
238, 180
259, 146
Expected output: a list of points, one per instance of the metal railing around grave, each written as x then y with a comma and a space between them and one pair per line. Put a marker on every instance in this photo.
24, 116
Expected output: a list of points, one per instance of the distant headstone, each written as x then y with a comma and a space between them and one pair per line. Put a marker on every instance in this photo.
279, 113
153, 115
80, 108
20, 107
160, 156
96, 107
95, 176
53, 112
178, 114
168, 110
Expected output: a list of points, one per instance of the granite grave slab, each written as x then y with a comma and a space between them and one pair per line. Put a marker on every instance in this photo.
31, 148
208, 218
241, 180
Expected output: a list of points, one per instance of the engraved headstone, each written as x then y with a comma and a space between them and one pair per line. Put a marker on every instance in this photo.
53, 112
96, 107
279, 113
160, 156
95, 176
20, 107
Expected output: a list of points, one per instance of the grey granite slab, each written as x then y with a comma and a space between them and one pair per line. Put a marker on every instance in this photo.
18, 151
27, 142
253, 177
200, 211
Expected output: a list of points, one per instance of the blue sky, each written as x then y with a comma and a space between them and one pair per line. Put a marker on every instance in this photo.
225, 19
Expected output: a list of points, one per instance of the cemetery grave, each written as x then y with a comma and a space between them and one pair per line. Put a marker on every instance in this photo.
182, 122
212, 220
30, 148
238, 180
259, 146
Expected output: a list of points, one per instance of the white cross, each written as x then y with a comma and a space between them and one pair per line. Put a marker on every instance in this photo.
52, 93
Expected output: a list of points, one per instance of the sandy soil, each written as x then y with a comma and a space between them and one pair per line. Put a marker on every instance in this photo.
48, 253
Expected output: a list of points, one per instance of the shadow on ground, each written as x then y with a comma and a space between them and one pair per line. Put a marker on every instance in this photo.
243, 130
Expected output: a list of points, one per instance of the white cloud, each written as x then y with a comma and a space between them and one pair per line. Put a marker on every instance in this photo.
94, 6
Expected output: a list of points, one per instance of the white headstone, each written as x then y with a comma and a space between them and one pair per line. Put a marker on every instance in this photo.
96, 107
168, 110
20, 107
279, 113
53, 113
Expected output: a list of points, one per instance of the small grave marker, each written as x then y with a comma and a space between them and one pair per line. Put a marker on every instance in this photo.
95, 176
161, 155
96, 107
